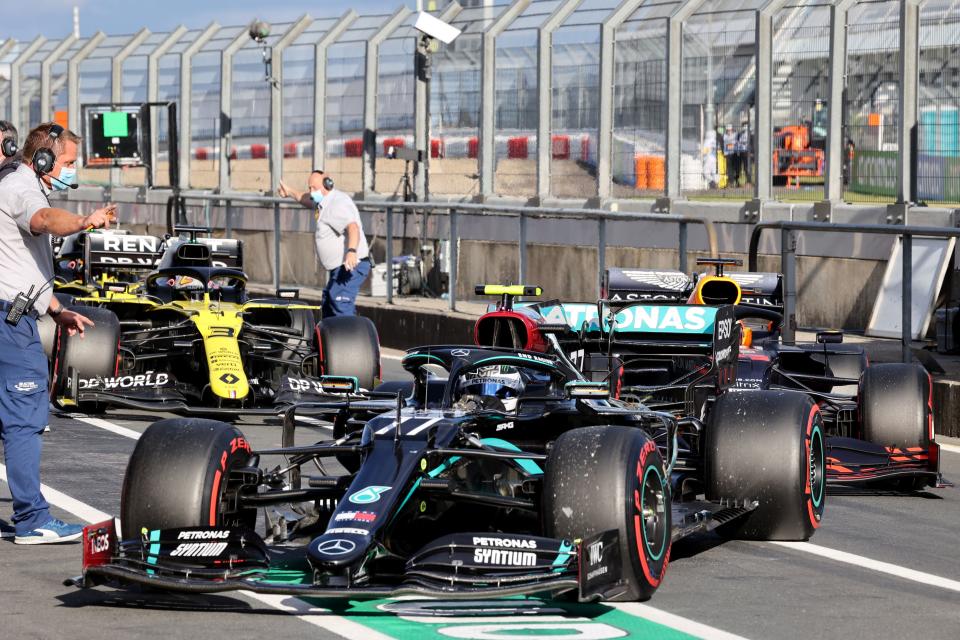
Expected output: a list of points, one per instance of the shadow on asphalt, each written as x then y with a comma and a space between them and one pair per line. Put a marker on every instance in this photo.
695, 545
166, 601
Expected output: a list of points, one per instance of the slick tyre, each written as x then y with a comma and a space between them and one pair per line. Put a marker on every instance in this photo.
768, 447
349, 346
895, 405
180, 476
611, 478
91, 356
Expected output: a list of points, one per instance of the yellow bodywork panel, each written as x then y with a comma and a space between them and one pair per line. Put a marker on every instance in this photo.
219, 326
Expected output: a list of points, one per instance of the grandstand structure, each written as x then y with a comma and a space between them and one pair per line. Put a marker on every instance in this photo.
583, 100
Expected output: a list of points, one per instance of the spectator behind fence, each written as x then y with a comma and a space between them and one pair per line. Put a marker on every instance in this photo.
341, 246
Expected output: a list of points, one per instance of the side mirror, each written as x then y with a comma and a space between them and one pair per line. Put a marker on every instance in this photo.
581, 389
829, 337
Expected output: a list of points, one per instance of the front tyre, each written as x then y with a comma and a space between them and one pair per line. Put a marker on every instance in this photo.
180, 476
612, 478
768, 447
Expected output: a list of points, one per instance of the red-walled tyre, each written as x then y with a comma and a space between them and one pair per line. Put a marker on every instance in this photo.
768, 447
180, 476
611, 478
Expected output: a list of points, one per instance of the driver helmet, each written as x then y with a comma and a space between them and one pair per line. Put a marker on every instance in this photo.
501, 382
187, 283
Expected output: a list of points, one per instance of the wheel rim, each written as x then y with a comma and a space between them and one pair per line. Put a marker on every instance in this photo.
653, 505
817, 466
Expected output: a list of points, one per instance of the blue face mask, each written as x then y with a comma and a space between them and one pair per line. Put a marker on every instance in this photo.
65, 179
317, 197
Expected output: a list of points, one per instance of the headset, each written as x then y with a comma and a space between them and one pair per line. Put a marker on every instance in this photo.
44, 158
328, 184
9, 146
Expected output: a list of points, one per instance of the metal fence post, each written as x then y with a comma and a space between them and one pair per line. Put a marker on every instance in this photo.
46, 111
320, 86
226, 108
276, 245
788, 265
454, 258
276, 99
186, 101
837, 62
228, 220
388, 255
488, 94
523, 248
682, 245
370, 86
907, 107
906, 296
601, 253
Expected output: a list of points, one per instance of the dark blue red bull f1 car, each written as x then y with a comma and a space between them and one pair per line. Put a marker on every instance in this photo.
878, 419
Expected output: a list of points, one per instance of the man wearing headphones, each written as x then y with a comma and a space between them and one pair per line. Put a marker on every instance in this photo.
9, 151
26, 282
341, 245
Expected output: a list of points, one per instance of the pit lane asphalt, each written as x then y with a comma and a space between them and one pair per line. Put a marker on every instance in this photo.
756, 590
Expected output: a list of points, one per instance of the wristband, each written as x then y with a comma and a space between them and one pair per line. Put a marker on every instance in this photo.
54, 314
351, 250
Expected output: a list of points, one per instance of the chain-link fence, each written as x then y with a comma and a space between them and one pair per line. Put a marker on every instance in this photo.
533, 100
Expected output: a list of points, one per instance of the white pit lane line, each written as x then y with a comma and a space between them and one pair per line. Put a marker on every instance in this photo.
921, 577
342, 626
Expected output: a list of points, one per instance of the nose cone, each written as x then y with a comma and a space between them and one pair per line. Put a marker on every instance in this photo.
336, 550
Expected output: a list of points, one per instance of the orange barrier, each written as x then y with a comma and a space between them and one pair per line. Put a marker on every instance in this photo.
656, 173
258, 151
650, 172
640, 167
437, 148
473, 146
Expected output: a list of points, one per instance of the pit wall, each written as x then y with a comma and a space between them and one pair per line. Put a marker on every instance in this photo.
833, 292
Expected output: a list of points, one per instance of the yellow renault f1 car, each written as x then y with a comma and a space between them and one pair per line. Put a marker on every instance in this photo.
187, 337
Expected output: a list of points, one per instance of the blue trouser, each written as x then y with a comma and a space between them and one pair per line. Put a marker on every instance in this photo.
340, 294
24, 410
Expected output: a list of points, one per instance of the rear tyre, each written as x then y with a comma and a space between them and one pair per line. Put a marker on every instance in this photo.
767, 446
304, 323
611, 477
895, 405
350, 346
179, 476
95, 355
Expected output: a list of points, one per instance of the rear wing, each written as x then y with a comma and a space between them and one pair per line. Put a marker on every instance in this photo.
119, 252
652, 328
225, 252
758, 289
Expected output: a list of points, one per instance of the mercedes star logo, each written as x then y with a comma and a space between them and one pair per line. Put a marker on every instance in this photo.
336, 547
460, 353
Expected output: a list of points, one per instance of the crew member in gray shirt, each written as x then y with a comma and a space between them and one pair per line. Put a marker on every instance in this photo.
27, 219
341, 245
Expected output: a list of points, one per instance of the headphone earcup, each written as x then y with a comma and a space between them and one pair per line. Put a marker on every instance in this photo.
43, 160
328, 184
9, 147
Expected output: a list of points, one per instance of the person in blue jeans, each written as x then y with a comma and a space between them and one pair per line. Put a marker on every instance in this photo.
340, 241
27, 220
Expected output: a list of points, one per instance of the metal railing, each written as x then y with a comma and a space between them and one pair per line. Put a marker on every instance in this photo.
454, 211
788, 265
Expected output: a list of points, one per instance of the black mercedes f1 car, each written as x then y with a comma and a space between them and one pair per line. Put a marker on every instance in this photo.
495, 472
